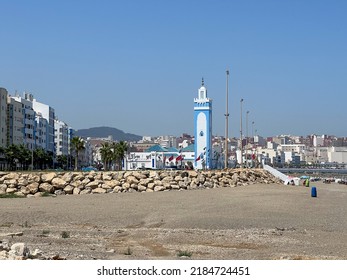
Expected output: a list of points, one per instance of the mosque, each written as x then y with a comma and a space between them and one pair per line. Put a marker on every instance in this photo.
198, 155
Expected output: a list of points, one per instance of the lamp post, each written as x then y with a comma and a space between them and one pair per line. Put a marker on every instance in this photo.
253, 132
247, 138
226, 123
241, 148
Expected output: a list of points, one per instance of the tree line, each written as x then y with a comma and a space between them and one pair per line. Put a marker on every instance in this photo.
19, 157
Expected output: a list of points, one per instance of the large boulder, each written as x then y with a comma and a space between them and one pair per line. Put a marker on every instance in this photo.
58, 183
48, 177
33, 187
69, 189
46, 187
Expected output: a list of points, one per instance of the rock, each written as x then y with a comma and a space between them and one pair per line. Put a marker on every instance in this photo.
107, 177
11, 190
117, 189
132, 180
3, 187
37, 254
93, 184
159, 188
86, 191
139, 175
76, 191
193, 174
4, 255
11, 176
126, 186
150, 186
22, 181
19, 194
46, 187
85, 182
58, 183
48, 177
11, 182
33, 187
34, 178
59, 192
4, 245
112, 184
235, 177
69, 189
105, 186
24, 190
20, 249
99, 190
67, 177
141, 188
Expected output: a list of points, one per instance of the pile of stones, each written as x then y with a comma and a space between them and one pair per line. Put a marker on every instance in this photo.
61, 183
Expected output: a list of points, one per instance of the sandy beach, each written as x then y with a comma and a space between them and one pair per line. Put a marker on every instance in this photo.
250, 222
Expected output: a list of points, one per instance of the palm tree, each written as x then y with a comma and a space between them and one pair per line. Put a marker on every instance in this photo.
77, 145
106, 154
119, 150
12, 156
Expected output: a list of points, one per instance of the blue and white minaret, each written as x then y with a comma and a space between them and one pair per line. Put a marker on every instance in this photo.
203, 129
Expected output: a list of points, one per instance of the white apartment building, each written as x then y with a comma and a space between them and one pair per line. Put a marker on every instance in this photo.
47, 112
318, 140
167, 141
41, 135
337, 154
3, 117
15, 118
29, 122
61, 137
297, 148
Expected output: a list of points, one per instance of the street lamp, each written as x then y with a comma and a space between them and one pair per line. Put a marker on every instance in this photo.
253, 132
247, 138
241, 131
226, 123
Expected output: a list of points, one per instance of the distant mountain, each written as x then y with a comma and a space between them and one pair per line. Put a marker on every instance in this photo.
104, 132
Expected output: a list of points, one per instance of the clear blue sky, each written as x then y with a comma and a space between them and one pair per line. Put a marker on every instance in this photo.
137, 65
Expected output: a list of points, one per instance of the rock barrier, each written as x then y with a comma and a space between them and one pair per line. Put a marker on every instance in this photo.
37, 184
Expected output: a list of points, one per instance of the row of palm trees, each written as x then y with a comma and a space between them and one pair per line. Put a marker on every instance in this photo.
113, 154
20, 157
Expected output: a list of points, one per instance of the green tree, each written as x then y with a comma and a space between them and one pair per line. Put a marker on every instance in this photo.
24, 156
106, 154
62, 161
12, 156
77, 145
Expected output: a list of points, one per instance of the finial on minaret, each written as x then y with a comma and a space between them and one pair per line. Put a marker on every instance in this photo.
202, 81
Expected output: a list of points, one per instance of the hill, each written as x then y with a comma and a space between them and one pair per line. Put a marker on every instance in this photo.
104, 132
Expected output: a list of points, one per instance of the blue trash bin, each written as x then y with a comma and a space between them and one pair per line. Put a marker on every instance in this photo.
313, 192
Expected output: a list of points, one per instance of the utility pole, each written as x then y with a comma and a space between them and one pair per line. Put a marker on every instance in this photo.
226, 124
247, 139
241, 148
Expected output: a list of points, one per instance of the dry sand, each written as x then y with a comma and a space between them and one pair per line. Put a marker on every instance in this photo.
250, 222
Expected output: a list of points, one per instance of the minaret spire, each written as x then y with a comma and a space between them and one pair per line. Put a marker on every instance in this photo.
202, 81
